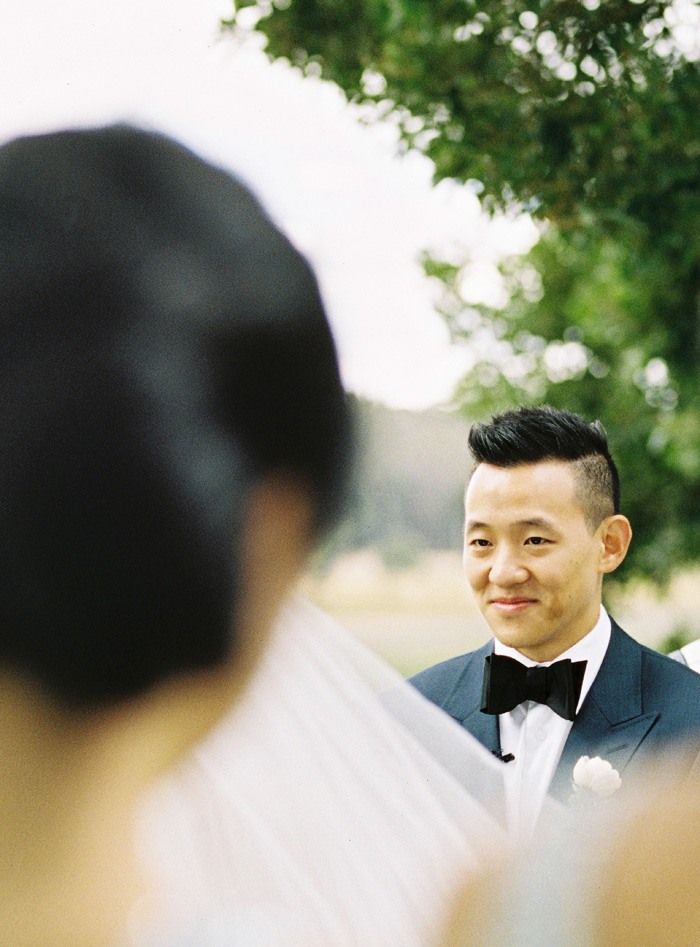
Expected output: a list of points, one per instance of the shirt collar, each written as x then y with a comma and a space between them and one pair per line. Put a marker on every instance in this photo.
591, 649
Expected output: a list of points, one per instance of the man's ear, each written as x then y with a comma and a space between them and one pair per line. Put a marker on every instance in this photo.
616, 535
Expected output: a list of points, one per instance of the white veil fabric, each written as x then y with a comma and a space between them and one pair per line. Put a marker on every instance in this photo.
334, 806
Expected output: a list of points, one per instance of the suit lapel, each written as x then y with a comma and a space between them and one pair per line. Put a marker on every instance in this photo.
464, 702
464, 705
611, 723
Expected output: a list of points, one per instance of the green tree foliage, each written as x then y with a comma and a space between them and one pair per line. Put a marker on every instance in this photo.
586, 113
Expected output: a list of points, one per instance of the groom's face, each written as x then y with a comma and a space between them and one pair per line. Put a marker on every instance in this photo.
532, 561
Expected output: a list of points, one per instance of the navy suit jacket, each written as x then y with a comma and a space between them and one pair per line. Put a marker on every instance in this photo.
639, 704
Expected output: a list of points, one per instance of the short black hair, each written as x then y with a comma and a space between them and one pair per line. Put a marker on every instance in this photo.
164, 347
530, 435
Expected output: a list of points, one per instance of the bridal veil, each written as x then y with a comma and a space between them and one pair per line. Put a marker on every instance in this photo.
335, 806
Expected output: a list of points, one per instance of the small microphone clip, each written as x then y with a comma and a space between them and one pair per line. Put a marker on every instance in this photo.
503, 757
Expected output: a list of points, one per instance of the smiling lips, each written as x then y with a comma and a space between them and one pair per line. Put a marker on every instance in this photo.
511, 606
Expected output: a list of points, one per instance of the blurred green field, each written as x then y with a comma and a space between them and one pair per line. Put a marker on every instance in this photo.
416, 616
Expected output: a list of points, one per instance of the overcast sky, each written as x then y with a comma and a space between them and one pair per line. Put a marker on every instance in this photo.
361, 214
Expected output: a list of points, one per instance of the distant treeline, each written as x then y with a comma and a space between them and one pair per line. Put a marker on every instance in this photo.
409, 477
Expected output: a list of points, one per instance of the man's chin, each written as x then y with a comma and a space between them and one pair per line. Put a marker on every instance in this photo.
512, 634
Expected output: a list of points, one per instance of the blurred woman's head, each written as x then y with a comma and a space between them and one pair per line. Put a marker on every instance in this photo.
165, 359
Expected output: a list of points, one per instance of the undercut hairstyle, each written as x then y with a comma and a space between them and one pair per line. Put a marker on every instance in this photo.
531, 435
164, 349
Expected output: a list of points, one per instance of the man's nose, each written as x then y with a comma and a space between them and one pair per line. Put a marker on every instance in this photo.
507, 567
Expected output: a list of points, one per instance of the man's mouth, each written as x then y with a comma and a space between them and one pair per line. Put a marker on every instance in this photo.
511, 606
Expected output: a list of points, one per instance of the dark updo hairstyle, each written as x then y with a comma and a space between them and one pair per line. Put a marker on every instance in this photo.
531, 435
163, 348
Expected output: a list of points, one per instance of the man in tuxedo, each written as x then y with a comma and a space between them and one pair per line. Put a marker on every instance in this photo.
560, 679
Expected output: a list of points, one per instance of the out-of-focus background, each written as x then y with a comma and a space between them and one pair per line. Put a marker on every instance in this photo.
502, 205
393, 572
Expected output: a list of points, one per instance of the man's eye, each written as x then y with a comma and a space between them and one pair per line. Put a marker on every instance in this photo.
480, 543
536, 540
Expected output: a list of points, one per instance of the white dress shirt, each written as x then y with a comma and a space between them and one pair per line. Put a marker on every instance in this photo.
536, 735
691, 653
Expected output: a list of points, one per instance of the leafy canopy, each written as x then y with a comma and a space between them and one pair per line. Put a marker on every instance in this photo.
586, 113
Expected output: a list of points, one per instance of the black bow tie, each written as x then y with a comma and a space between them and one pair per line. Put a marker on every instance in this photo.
508, 683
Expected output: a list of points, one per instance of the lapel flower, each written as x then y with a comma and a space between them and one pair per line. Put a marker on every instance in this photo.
596, 776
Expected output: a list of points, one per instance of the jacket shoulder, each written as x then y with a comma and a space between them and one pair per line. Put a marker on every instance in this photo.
668, 685
439, 681
666, 669
663, 666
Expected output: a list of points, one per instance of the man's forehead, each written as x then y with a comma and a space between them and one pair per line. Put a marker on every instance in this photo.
543, 470
525, 522
543, 490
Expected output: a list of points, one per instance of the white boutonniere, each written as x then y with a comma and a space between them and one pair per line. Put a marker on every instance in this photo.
595, 776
